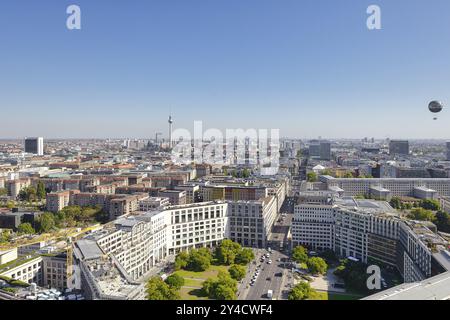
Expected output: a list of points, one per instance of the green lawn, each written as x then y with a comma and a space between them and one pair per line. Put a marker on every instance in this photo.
212, 272
320, 296
191, 294
193, 281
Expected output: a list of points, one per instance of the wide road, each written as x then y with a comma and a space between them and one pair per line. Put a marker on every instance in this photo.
270, 278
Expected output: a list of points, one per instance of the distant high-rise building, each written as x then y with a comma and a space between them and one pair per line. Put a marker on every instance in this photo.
325, 150
399, 147
34, 146
448, 151
314, 149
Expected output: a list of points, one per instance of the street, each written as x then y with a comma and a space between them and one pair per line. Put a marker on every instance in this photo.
271, 277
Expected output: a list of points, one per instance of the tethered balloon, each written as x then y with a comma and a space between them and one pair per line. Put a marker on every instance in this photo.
435, 106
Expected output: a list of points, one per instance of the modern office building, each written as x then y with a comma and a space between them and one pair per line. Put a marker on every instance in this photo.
320, 150
34, 146
399, 147
197, 225
370, 230
325, 150
23, 268
427, 188
251, 221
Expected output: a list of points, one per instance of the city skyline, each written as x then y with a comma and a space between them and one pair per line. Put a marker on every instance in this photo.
317, 63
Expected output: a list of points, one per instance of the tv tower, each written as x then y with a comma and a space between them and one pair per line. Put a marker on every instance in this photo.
170, 121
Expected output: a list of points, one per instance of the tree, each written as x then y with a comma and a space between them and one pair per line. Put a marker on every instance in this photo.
222, 288
25, 228
317, 265
329, 256
395, 203
223, 292
347, 175
354, 275
5, 236
40, 190
301, 291
199, 260
227, 251
421, 215
245, 256
27, 194
245, 173
46, 222
175, 281
429, 204
443, 221
3, 191
311, 177
157, 289
237, 272
181, 260
300, 254
10, 205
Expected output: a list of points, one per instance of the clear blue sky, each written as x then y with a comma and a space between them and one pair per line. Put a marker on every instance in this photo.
309, 68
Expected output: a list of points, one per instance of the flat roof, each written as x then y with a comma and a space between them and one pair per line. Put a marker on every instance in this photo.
435, 288
89, 249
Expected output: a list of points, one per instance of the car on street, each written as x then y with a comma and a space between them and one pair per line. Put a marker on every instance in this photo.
269, 262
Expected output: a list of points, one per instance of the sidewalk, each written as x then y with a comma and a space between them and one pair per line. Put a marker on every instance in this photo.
244, 285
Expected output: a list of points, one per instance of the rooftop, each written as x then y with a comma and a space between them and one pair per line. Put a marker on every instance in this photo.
435, 288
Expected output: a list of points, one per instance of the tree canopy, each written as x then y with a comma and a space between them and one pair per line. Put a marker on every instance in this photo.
300, 254
311, 177
227, 251
175, 281
317, 265
157, 289
421, 214
46, 222
26, 228
237, 272
301, 291
222, 288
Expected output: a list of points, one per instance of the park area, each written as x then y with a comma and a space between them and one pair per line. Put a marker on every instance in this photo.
193, 281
